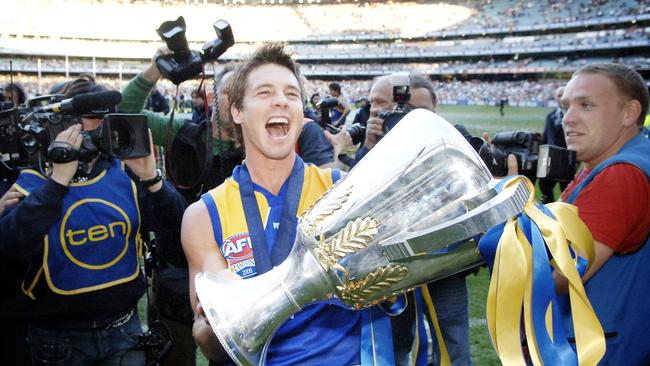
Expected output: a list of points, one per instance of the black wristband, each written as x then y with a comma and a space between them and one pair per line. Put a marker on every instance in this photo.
150, 182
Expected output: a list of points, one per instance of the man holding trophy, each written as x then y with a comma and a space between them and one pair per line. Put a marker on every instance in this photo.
251, 218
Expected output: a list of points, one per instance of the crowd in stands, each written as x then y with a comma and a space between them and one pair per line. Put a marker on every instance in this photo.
128, 52
511, 44
519, 93
515, 65
300, 22
513, 13
478, 67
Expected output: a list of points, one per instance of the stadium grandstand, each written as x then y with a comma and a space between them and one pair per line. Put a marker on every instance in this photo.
475, 50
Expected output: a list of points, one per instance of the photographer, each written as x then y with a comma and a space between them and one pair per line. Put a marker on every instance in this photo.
604, 106
79, 230
339, 113
188, 162
311, 110
224, 152
313, 147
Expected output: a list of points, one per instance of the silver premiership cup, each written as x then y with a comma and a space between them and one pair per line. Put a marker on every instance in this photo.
406, 215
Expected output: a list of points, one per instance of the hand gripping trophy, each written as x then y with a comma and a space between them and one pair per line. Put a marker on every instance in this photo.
409, 213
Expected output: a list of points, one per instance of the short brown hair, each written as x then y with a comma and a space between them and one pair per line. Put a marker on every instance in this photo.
84, 83
268, 53
628, 82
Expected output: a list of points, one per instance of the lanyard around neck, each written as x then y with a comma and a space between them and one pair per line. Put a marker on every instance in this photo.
264, 261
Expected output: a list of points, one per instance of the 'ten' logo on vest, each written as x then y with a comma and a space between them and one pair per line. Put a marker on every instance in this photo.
95, 233
99, 222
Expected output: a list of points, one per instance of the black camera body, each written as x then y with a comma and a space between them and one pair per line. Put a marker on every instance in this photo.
27, 133
533, 160
401, 97
183, 63
523, 145
324, 106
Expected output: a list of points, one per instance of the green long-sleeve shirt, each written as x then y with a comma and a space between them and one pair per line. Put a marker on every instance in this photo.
134, 97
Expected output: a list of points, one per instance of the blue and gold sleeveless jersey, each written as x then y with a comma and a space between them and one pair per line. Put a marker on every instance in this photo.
95, 243
229, 223
323, 332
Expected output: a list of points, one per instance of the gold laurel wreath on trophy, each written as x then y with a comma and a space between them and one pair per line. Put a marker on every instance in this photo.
357, 292
309, 227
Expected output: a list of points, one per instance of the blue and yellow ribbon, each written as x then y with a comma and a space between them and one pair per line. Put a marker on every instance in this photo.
523, 255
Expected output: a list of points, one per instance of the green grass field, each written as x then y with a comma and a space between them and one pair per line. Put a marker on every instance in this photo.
478, 119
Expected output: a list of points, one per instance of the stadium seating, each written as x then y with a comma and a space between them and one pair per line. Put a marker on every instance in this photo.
472, 39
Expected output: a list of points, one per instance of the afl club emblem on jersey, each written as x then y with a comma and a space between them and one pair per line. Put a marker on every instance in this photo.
238, 252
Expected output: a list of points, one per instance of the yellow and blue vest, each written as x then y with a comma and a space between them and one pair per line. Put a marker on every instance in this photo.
95, 243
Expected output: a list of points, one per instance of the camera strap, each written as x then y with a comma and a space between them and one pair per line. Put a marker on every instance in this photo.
62, 152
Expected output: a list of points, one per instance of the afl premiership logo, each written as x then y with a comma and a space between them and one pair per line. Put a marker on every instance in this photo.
95, 233
238, 251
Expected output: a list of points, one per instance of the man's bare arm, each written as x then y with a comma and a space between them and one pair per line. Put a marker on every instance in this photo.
202, 255
602, 253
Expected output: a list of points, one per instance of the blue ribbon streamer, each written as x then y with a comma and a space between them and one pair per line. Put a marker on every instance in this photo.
376, 338
558, 351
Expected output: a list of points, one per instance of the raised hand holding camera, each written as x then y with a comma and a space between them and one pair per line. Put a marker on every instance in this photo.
182, 63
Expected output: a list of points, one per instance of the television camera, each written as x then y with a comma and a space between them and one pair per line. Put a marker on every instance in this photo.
183, 63
27, 132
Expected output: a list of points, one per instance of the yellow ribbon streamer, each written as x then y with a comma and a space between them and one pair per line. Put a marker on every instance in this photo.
512, 279
444, 355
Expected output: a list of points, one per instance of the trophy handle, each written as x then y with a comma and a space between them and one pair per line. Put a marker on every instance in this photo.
245, 314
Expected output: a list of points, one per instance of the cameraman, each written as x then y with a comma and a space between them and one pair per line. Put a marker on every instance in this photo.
15, 94
79, 230
449, 295
604, 106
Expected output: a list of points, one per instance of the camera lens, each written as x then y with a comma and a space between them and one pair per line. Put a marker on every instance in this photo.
121, 139
173, 33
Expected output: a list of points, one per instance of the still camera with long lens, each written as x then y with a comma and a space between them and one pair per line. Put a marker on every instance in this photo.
183, 63
533, 159
28, 133
400, 83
